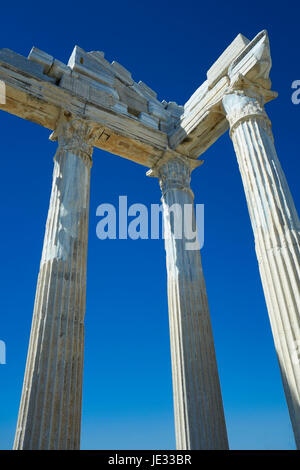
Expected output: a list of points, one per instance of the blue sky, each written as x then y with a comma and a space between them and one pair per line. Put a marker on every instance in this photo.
127, 398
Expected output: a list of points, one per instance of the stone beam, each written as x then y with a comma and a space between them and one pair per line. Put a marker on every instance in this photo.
203, 121
89, 87
134, 123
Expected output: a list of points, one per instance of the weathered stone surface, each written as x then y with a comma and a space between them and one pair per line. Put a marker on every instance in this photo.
84, 64
190, 129
19, 62
41, 102
50, 409
220, 67
150, 120
276, 228
58, 70
117, 114
254, 62
158, 111
122, 73
198, 407
203, 120
42, 58
136, 103
145, 88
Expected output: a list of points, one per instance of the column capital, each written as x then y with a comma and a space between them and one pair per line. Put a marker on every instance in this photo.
244, 100
174, 171
76, 135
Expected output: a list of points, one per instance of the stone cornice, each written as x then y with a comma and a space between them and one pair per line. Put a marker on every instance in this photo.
136, 125
203, 120
37, 98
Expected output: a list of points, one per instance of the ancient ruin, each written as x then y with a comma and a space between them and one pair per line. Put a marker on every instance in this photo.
89, 103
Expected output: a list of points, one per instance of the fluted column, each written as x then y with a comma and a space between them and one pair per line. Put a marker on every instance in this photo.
50, 409
198, 407
276, 230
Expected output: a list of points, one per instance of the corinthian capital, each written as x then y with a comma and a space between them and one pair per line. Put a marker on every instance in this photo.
76, 135
174, 171
245, 100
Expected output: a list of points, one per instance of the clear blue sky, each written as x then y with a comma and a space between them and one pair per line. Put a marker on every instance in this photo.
127, 399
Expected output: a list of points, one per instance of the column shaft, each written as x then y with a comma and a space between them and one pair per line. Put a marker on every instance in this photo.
276, 230
50, 409
198, 407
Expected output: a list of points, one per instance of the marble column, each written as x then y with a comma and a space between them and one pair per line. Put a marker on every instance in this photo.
276, 230
198, 407
50, 409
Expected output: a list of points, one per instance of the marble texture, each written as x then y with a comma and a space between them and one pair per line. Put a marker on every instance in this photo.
198, 407
50, 409
91, 102
136, 124
276, 229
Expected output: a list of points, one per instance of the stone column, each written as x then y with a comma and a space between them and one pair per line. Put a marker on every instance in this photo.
198, 407
50, 409
276, 228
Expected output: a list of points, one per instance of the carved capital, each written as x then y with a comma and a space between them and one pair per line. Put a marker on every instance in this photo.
174, 171
245, 100
76, 135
